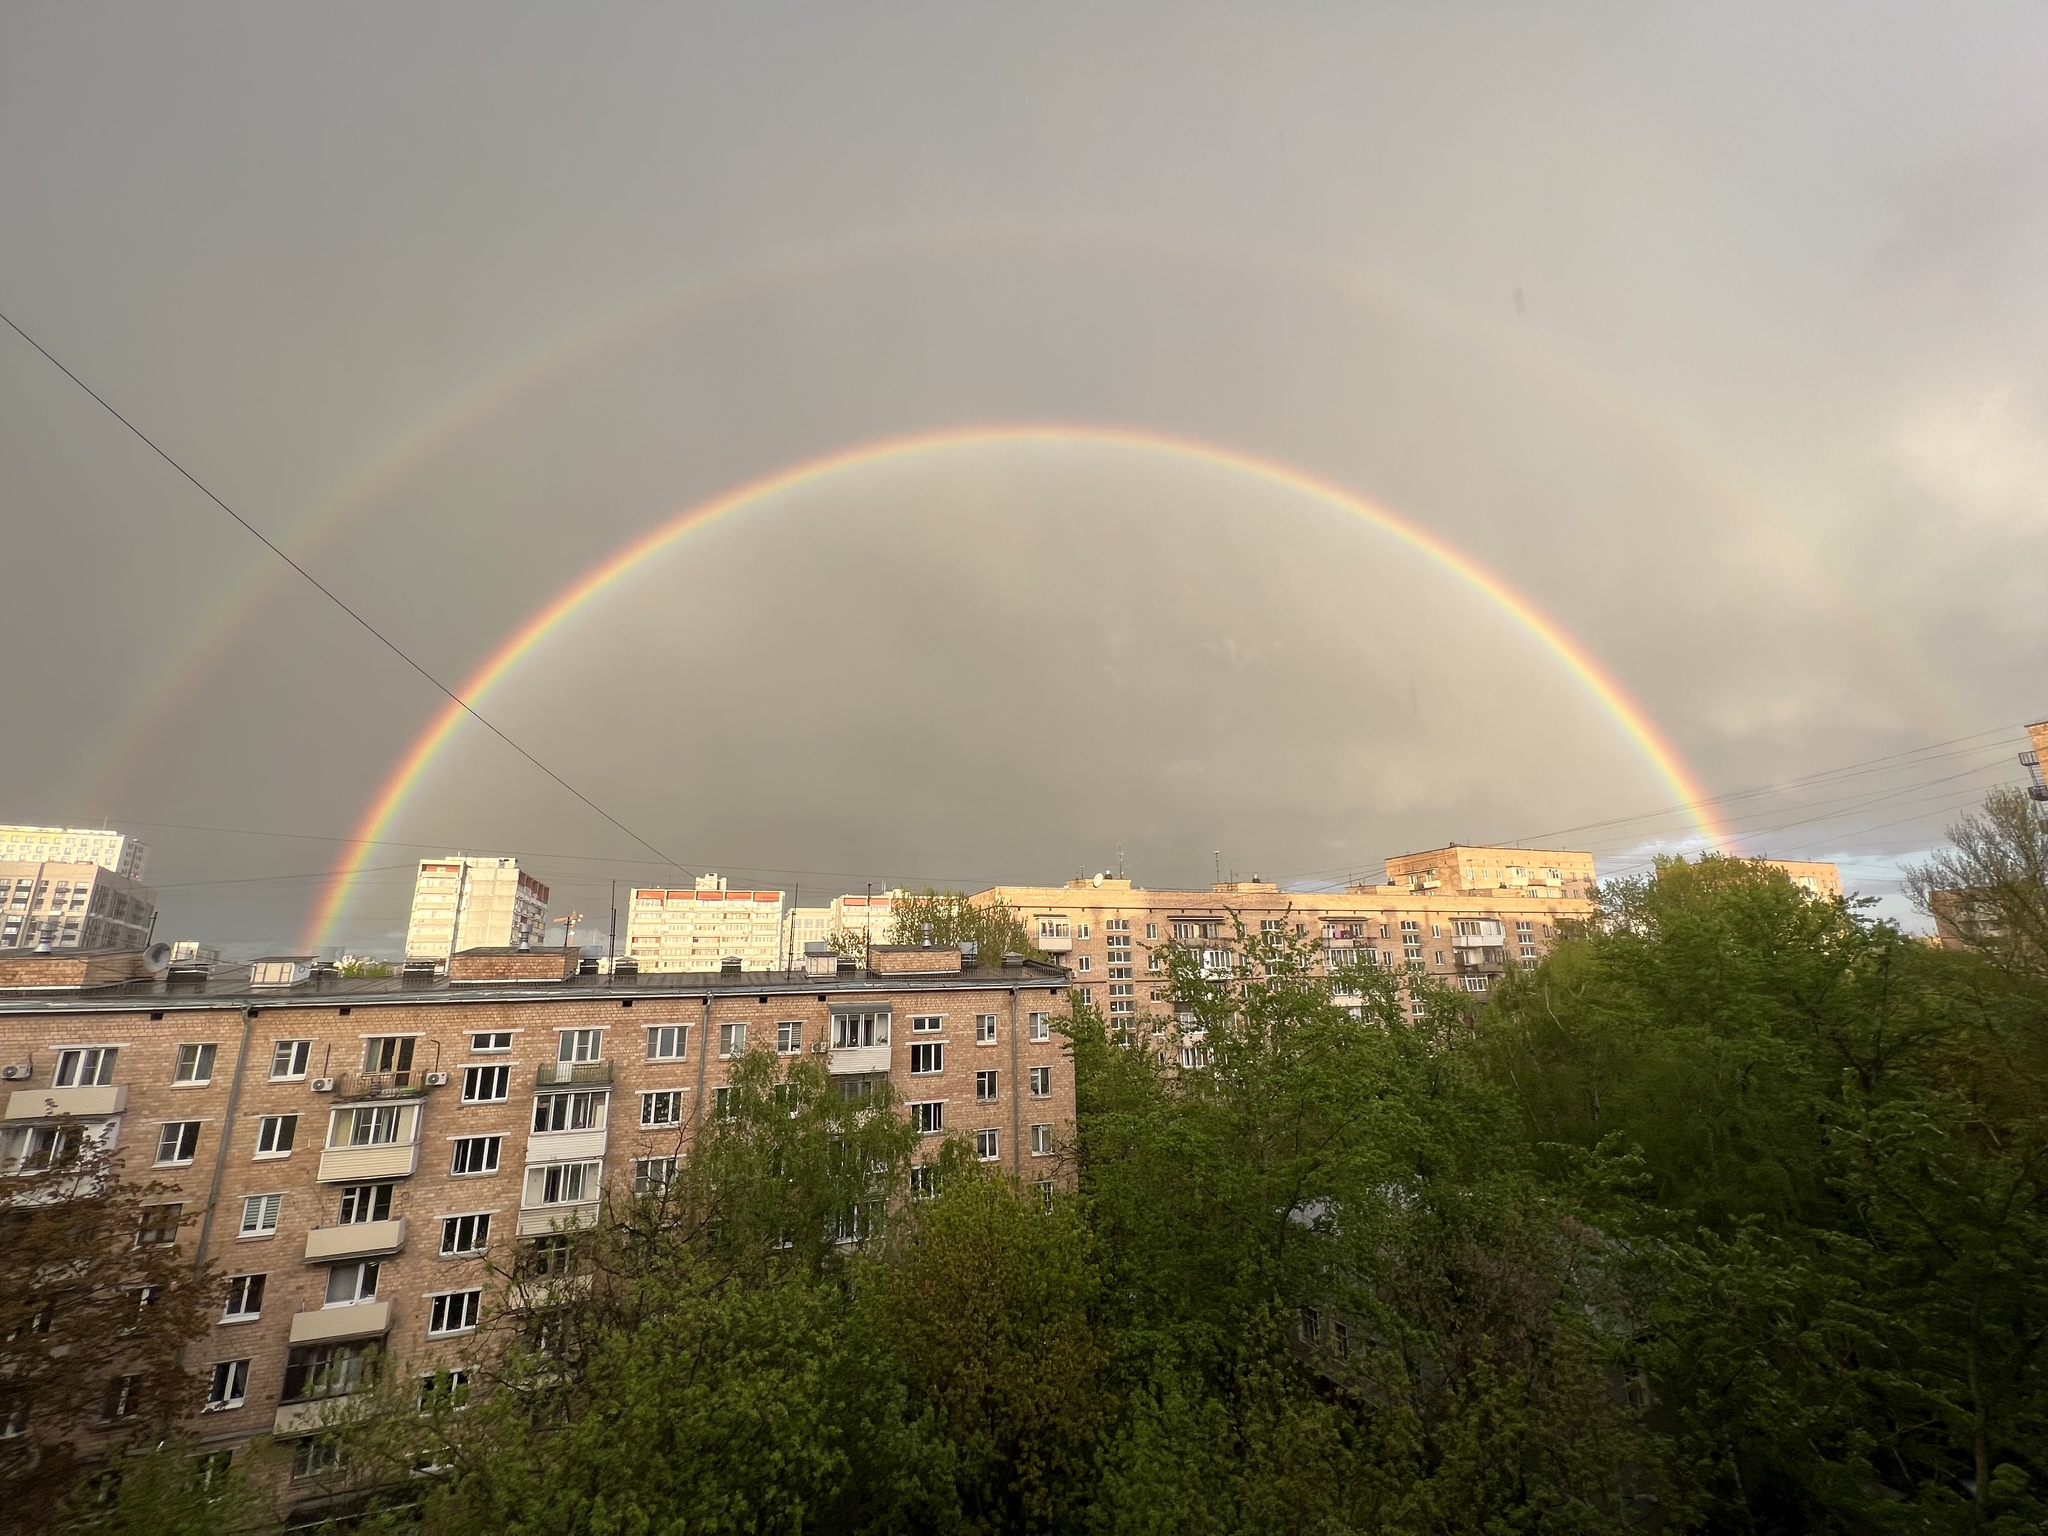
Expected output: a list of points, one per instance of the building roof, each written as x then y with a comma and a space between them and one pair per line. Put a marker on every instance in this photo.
229, 985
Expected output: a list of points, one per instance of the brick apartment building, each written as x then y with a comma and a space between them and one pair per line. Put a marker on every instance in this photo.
353, 1149
1461, 913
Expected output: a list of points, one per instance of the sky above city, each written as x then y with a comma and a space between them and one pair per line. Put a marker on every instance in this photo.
1326, 432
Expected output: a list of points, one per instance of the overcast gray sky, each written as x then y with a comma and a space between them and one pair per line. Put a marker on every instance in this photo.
1716, 331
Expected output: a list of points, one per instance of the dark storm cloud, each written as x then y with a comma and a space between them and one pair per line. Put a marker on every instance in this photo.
1718, 335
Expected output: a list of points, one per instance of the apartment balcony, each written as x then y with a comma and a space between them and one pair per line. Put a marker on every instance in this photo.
543, 1219
573, 1074
355, 1240
565, 1146
1488, 934
332, 1325
44, 1103
1482, 959
358, 1164
1054, 944
857, 1060
380, 1085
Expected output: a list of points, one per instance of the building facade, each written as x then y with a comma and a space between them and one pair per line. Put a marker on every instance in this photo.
114, 851
1109, 932
1466, 869
864, 918
669, 931
460, 902
1814, 878
354, 1151
77, 905
805, 926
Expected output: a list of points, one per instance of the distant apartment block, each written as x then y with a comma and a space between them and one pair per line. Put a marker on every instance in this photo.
76, 904
1460, 868
115, 851
805, 925
2031, 759
1463, 929
460, 902
865, 917
699, 929
1816, 879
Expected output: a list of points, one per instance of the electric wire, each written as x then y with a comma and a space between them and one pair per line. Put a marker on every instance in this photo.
334, 598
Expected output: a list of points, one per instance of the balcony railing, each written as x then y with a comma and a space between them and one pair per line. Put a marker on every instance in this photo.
380, 1085
574, 1074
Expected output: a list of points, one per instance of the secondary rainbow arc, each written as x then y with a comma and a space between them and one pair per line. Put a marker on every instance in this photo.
411, 767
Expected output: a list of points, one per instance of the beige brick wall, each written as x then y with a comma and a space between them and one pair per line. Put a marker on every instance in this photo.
445, 1023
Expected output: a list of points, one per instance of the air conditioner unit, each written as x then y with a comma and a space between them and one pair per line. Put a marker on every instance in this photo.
323, 1085
437, 1079
17, 1073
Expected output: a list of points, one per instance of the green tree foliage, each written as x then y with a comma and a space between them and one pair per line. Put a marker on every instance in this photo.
1729, 1216
951, 917
96, 1302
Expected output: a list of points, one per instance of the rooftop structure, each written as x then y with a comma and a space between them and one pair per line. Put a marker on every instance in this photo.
460, 902
114, 851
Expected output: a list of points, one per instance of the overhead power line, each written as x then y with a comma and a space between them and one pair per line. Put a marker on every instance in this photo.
327, 592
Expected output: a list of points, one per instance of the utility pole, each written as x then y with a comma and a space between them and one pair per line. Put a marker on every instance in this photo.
611, 943
867, 960
568, 926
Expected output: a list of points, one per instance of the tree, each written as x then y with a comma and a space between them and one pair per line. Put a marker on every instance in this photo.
948, 918
96, 1303
1991, 885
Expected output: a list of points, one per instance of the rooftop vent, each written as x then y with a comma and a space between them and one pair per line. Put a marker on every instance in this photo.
587, 966
731, 965
970, 954
625, 967
1013, 958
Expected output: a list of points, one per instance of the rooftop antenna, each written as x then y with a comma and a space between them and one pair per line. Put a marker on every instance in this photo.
1218, 854
1119, 858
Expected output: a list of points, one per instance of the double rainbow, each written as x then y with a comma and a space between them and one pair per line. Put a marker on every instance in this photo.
405, 777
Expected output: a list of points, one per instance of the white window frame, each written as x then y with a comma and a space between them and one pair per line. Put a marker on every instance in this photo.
932, 1053
238, 1290
929, 1116
789, 1037
267, 1209
494, 1145
479, 1074
1041, 1140
588, 1178
267, 1128
478, 1232
86, 1066
1039, 1027
181, 1156
985, 1028
195, 1070
228, 1388
679, 1037
297, 1056
598, 1099
1041, 1082
571, 1043
467, 1305
987, 1087
652, 1099
927, 1023
988, 1145
477, 1037
732, 1039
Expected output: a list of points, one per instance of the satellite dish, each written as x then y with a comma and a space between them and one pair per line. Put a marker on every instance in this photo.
157, 959
1098, 882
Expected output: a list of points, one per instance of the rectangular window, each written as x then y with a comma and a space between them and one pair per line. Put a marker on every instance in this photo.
1083, 963
451, 1386
195, 1064
561, 1184
930, 1118
927, 1023
1040, 1027
159, 1225
652, 1175
245, 1298
852, 1031
721, 1103
348, 1284
324, 1370
475, 1154
486, 1085
984, 1029
177, 1142
390, 1053
926, 1058
1151, 930
985, 1087
1041, 1141
1271, 927
789, 1039
455, 1312
465, 1235
229, 1387
317, 1456
580, 1111
491, 1040
289, 1059
259, 1215
668, 1042
275, 1135
579, 1045
375, 1125
732, 1040
365, 1202
1041, 1082
985, 1146
123, 1397
924, 1181
664, 1106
